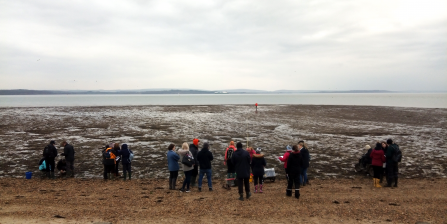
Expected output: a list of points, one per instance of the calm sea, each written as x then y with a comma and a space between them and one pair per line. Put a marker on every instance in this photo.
427, 100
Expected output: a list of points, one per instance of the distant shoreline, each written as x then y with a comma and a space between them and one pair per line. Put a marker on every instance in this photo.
158, 92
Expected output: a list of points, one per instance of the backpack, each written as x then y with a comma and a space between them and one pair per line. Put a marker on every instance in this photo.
130, 155
106, 154
230, 153
46, 151
397, 156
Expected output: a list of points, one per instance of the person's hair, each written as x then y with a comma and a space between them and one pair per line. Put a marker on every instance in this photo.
383, 142
301, 143
295, 147
171, 146
389, 141
116, 145
239, 145
378, 146
185, 146
232, 143
206, 145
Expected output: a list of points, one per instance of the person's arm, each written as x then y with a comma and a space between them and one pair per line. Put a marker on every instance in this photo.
283, 158
66, 150
264, 163
225, 158
176, 157
211, 156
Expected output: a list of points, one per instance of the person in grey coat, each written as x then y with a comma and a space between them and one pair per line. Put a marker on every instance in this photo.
241, 161
69, 158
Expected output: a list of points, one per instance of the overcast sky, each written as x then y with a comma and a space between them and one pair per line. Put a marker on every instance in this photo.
212, 45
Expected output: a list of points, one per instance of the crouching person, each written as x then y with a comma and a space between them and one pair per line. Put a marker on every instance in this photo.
126, 161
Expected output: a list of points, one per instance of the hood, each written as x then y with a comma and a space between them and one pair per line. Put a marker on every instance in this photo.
258, 155
124, 147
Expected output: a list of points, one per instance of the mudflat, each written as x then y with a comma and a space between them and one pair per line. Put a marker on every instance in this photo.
336, 136
82, 200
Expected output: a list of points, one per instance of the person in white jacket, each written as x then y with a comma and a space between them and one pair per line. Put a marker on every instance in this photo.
184, 151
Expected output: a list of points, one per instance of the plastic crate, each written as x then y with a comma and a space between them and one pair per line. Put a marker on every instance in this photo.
270, 172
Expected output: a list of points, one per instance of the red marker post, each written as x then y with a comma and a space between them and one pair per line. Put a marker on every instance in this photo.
256, 107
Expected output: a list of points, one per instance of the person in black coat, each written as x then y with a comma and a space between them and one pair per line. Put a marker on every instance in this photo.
257, 166
294, 164
50, 153
194, 149
125, 154
306, 157
69, 158
241, 161
205, 157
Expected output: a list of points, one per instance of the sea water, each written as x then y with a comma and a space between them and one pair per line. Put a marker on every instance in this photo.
422, 100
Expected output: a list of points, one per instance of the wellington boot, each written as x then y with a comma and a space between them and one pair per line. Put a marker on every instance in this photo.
130, 175
248, 195
289, 193
256, 189
260, 189
297, 193
378, 183
124, 176
241, 197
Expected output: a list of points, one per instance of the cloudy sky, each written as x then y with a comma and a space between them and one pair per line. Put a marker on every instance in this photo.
211, 45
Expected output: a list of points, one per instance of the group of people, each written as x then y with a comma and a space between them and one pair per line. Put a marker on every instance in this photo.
112, 155
65, 166
384, 159
241, 164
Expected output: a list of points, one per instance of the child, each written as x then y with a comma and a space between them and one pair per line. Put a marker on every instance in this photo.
257, 166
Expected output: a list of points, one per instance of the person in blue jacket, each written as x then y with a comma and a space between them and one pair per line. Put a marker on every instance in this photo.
125, 154
173, 166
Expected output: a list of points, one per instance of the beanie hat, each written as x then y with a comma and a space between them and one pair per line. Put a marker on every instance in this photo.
389, 141
52, 143
232, 143
289, 148
367, 147
195, 141
258, 150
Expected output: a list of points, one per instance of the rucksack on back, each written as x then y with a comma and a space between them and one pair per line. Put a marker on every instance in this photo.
230, 153
106, 154
397, 157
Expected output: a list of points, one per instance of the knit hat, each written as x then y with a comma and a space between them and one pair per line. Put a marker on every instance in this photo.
52, 143
258, 150
289, 148
195, 141
367, 147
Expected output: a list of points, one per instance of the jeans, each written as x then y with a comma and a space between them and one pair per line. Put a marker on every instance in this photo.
303, 176
187, 180
208, 177
241, 182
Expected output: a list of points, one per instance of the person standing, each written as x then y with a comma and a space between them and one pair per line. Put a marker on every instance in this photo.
377, 158
241, 161
116, 147
173, 166
109, 162
69, 158
194, 149
205, 157
50, 153
257, 166
231, 173
285, 157
306, 158
294, 165
385, 149
125, 160
184, 151
392, 168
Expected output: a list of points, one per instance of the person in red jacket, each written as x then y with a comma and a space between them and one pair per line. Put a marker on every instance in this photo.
378, 158
284, 159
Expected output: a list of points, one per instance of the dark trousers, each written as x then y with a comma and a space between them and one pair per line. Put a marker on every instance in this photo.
173, 174
378, 171
187, 180
392, 170
108, 169
260, 178
70, 166
117, 167
241, 182
195, 171
293, 179
49, 162
126, 167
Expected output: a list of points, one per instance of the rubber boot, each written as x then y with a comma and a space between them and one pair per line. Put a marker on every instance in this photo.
378, 183
247, 195
130, 175
256, 188
395, 182
124, 176
297, 193
289, 193
388, 181
193, 181
260, 188
241, 197
170, 183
